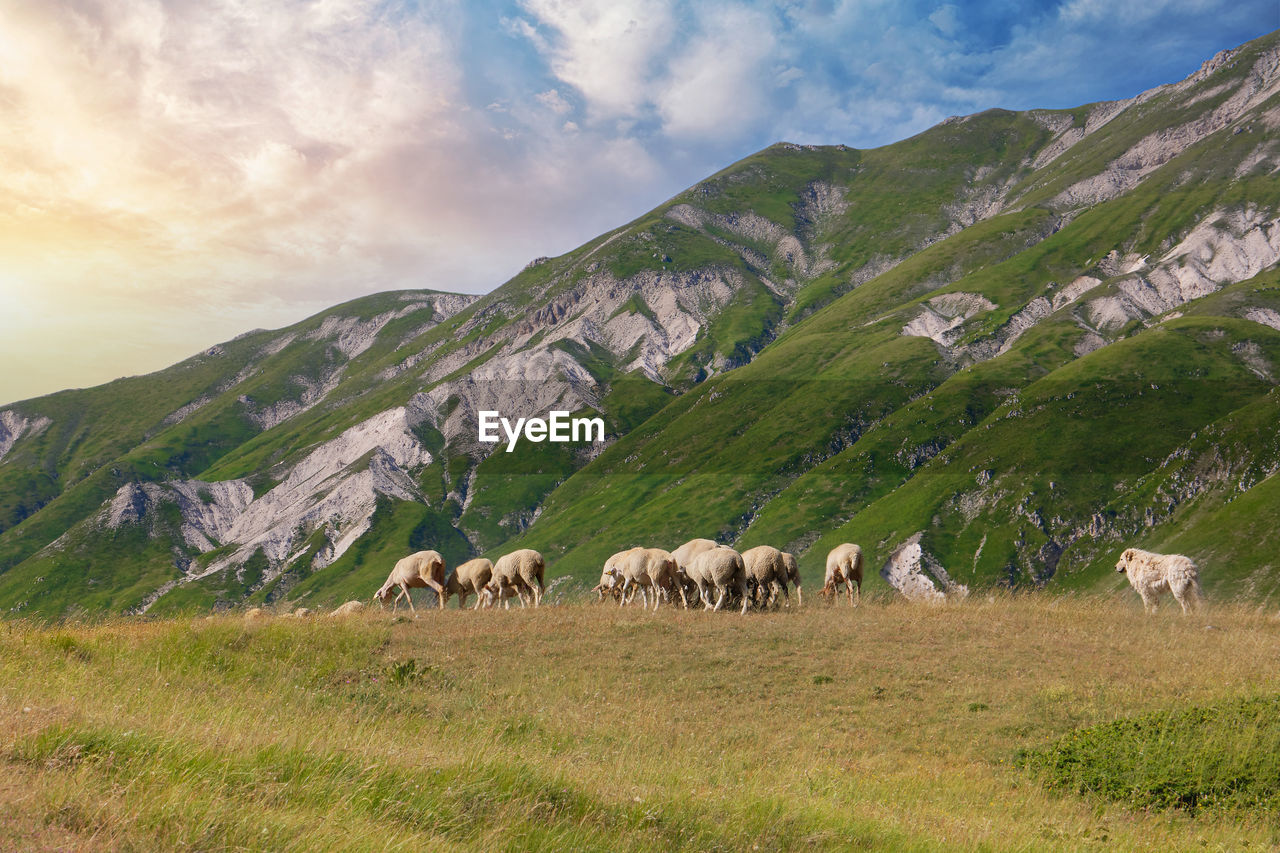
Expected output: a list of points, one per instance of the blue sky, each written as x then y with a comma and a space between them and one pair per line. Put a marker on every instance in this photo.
174, 172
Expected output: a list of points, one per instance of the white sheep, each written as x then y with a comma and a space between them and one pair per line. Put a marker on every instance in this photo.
793, 575
468, 579
609, 584
425, 569
844, 566
519, 570
611, 575
1151, 574
721, 569
766, 572
652, 570
684, 556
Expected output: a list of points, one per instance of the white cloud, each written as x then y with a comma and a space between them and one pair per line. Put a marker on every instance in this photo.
554, 101
721, 84
230, 164
605, 49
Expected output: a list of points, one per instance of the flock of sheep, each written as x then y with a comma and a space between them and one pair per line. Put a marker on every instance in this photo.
698, 570
702, 570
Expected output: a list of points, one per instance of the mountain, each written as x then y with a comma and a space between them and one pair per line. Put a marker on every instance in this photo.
993, 353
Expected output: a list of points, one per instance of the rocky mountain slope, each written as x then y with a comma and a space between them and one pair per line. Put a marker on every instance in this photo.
990, 353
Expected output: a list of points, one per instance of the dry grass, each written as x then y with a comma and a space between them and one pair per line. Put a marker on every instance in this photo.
587, 726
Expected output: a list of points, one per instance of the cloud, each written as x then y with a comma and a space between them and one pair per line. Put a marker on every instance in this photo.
173, 172
605, 49
721, 83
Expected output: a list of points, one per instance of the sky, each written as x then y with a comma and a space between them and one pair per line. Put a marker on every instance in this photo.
176, 172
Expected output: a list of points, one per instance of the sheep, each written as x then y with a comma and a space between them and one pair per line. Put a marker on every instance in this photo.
467, 579
490, 598
720, 568
611, 579
609, 583
649, 568
519, 569
255, 613
684, 556
844, 566
423, 569
792, 567
348, 609
301, 613
766, 571
1151, 574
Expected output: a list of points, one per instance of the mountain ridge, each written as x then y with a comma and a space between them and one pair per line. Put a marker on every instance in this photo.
969, 260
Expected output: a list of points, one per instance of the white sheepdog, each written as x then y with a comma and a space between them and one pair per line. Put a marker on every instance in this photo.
1151, 574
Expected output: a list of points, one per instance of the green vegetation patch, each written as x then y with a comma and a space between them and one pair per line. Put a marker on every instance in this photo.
1221, 757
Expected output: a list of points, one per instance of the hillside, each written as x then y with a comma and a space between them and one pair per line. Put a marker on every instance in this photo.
990, 354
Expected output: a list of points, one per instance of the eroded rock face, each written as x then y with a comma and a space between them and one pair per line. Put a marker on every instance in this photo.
918, 575
1224, 248
14, 426
1159, 147
333, 489
1265, 316
648, 318
942, 316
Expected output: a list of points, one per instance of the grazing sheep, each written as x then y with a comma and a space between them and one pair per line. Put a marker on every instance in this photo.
521, 570
766, 572
720, 568
490, 598
684, 556
651, 569
611, 575
844, 567
348, 609
468, 579
255, 613
609, 584
793, 575
424, 569
301, 613
1151, 574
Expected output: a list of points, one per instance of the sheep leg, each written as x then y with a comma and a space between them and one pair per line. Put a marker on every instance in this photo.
858, 597
724, 593
799, 597
657, 597
439, 590
405, 589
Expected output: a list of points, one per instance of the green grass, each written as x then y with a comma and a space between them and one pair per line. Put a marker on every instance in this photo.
593, 727
1221, 758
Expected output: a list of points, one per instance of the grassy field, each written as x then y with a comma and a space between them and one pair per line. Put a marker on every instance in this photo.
1008, 723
